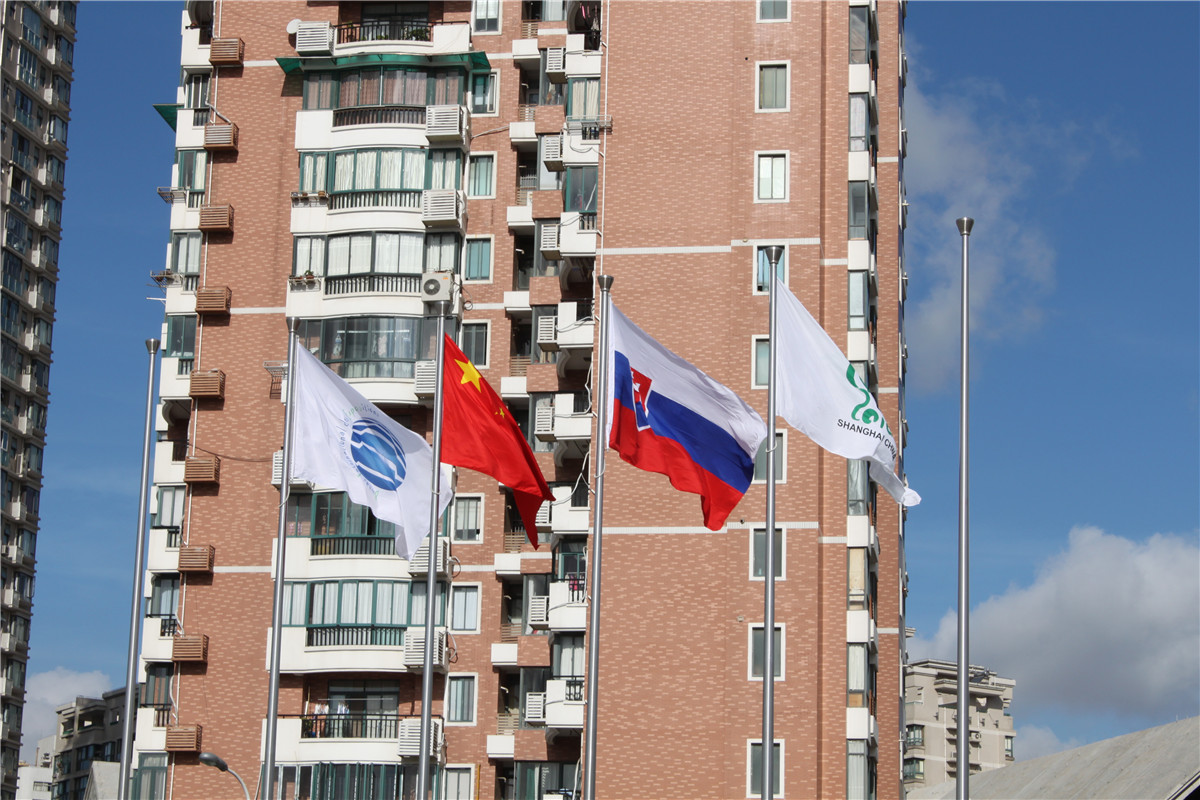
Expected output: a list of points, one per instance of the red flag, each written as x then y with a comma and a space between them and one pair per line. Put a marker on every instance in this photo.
479, 433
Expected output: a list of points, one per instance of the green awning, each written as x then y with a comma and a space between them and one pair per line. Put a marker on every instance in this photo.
169, 112
475, 60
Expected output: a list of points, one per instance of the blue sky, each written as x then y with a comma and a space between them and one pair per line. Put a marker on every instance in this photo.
1070, 132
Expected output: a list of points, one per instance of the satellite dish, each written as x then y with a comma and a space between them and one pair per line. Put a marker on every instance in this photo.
293, 26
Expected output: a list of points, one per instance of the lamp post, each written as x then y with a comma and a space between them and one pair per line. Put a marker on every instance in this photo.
214, 760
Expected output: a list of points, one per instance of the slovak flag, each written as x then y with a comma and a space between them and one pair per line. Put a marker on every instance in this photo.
669, 417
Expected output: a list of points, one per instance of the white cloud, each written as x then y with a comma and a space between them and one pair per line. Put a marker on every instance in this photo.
45, 691
1034, 741
1111, 625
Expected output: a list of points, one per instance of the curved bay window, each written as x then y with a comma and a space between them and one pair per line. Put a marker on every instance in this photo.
384, 261
369, 347
338, 526
383, 95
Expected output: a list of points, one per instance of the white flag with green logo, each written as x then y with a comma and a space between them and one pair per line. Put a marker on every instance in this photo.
819, 393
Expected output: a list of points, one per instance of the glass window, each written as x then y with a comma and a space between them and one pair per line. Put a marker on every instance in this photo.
756, 756
456, 784
485, 16
181, 336
481, 179
772, 10
858, 210
479, 260
760, 459
579, 189
758, 564
464, 608
170, 506
475, 342
762, 367
762, 268
192, 172
860, 35
185, 253
757, 655
583, 98
859, 303
859, 122
772, 87
771, 176
467, 524
857, 487
914, 736
483, 93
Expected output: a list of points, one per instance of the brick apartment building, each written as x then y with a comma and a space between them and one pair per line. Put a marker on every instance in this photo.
329, 154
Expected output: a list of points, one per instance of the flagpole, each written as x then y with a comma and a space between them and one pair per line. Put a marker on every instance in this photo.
593, 644
962, 778
773, 253
285, 486
135, 614
423, 776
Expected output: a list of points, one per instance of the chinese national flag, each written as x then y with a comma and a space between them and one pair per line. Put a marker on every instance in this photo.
479, 433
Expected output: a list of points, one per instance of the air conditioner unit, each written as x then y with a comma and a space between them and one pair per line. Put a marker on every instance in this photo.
314, 38
436, 286
409, 739
556, 64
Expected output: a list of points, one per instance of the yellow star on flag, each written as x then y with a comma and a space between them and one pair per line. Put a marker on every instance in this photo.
470, 374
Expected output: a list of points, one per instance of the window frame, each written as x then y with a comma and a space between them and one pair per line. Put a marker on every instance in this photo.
759, 66
757, 342
475, 18
455, 589
479, 156
474, 324
781, 656
784, 266
758, 15
479, 498
780, 553
776, 763
786, 155
491, 262
493, 94
781, 468
473, 677
442, 784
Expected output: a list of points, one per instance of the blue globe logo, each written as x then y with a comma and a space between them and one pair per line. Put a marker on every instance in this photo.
377, 454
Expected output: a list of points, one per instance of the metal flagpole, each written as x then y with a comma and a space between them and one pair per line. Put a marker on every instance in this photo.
593, 644
423, 782
135, 614
774, 253
964, 536
285, 486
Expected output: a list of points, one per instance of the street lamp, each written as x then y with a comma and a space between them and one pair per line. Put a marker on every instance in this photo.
214, 760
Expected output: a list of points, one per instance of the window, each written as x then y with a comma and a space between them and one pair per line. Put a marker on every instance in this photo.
861, 579
192, 164
857, 487
579, 189
773, 10
860, 771
441, 252
860, 127
755, 757
772, 87
479, 260
567, 658
860, 35
770, 182
757, 656
583, 98
860, 678
914, 769
1008, 748
762, 268
181, 336
464, 608
481, 177
483, 92
914, 736
150, 777
475, 342
467, 519
164, 596
858, 216
485, 16
364, 253
185, 253
460, 699
760, 459
762, 366
170, 506
195, 96
368, 347
859, 305
758, 553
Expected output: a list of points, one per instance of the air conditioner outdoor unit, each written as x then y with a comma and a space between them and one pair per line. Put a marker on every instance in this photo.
436, 286
314, 38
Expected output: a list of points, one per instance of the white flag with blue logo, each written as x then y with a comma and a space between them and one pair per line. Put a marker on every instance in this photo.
343, 441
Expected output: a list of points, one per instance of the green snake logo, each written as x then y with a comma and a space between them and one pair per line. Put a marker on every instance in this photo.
869, 416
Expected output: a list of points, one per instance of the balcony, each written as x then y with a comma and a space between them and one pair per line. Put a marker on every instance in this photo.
577, 234
448, 125
444, 208
226, 52
216, 218
197, 558
158, 637
202, 469
342, 648
214, 300
575, 326
403, 35
190, 649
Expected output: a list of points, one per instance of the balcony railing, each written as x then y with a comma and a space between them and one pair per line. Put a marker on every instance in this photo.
379, 115
168, 624
354, 636
376, 198
353, 546
576, 585
359, 284
389, 30
352, 725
